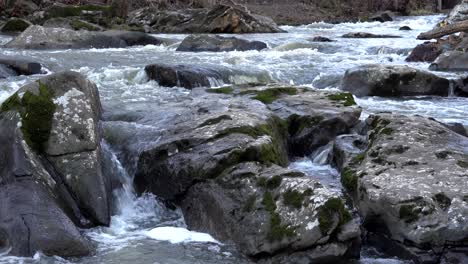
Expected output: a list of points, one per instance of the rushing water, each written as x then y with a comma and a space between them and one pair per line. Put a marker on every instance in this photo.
143, 230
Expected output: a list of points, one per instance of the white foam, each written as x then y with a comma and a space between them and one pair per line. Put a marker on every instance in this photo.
177, 235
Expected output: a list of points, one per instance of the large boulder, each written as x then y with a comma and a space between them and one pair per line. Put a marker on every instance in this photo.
382, 17
393, 80
426, 52
59, 121
222, 156
215, 43
13, 67
459, 13
218, 19
410, 187
38, 37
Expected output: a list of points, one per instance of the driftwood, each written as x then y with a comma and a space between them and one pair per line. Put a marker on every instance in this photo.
444, 31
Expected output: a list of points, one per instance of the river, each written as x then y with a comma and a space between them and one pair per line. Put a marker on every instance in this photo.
143, 230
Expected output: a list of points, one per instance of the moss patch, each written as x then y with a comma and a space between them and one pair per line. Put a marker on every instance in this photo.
36, 112
462, 163
349, 180
268, 202
271, 183
250, 203
332, 209
223, 90
346, 99
15, 25
278, 230
293, 198
270, 95
443, 200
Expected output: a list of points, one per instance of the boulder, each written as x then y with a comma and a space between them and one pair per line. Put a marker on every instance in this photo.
38, 37
218, 19
451, 61
222, 156
382, 17
15, 25
14, 67
393, 80
426, 52
410, 187
346, 148
321, 39
59, 121
191, 76
367, 35
215, 43
266, 210
458, 14
405, 28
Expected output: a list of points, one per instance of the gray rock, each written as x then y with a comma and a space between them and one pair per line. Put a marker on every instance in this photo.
451, 61
382, 17
386, 80
410, 185
459, 13
367, 35
405, 28
60, 119
37, 37
321, 39
218, 19
14, 67
254, 206
33, 200
346, 148
215, 43
426, 52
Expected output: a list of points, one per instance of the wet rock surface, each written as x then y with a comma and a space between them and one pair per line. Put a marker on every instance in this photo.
380, 80
367, 35
52, 150
215, 43
14, 67
15, 25
410, 188
218, 19
38, 37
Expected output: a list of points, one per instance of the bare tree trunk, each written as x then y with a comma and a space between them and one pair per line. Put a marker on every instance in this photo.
119, 8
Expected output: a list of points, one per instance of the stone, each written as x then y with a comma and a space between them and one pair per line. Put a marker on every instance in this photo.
321, 39
410, 186
38, 37
382, 17
393, 81
367, 35
14, 67
218, 19
451, 61
426, 52
405, 28
215, 43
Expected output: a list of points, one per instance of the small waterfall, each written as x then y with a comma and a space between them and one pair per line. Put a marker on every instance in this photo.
451, 92
320, 156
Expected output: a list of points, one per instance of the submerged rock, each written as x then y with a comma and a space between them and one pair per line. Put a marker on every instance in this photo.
367, 35
37, 37
405, 28
218, 19
199, 43
395, 80
321, 39
410, 187
52, 150
451, 61
382, 17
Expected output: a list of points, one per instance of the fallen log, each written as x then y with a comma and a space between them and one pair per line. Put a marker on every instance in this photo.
444, 31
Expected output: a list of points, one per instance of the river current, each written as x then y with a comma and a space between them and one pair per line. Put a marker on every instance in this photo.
143, 230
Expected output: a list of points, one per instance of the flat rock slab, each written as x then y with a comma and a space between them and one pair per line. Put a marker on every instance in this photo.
367, 35
215, 43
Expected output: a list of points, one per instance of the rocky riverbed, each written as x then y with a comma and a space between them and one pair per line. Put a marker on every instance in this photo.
314, 144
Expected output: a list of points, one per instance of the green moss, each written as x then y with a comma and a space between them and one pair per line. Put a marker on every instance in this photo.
409, 213
443, 200
462, 163
346, 98
38, 111
270, 95
349, 180
298, 123
12, 103
332, 209
359, 158
274, 182
223, 90
78, 25
278, 230
15, 25
268, 202
387, 131
293, 198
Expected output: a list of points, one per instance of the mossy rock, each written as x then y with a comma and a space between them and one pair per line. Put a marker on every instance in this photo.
270, 95
345, 98
15, 25
222, 90
349, 180
37, 111
334, 207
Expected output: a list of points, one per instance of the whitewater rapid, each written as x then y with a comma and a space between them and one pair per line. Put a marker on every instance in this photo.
143, 230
